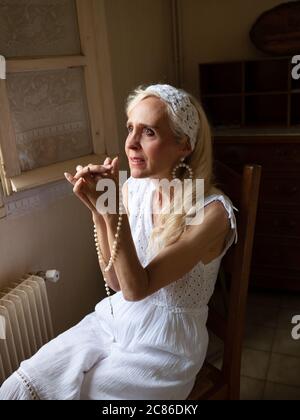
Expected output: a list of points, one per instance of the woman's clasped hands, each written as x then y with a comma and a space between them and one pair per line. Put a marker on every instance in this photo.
86, 178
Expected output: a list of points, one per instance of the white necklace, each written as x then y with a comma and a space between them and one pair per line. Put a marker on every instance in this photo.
113, 253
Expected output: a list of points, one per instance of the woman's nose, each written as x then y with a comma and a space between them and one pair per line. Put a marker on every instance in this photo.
134, 139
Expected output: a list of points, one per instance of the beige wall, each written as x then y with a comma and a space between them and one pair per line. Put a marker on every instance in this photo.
217, 30
57, 237
140, 41
61, 237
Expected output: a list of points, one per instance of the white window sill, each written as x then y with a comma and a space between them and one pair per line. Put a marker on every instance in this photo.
38, 188
52, 173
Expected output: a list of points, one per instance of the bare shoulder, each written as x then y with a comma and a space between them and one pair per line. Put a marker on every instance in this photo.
215, 215
213, 230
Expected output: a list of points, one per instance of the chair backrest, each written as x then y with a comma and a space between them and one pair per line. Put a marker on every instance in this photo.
243, 190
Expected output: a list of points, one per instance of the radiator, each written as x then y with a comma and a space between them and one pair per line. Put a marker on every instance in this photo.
25, 322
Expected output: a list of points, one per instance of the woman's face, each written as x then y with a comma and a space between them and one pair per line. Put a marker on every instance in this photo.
151, 139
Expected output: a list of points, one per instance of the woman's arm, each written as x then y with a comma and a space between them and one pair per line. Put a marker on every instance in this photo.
85, 191
199, 243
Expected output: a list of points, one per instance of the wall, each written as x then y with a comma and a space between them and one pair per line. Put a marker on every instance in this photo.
217, 30
57, 236
140, 42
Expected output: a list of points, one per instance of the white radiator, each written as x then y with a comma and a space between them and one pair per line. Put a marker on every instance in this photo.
25, 322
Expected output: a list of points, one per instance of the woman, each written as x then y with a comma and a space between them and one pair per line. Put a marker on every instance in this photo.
149, 340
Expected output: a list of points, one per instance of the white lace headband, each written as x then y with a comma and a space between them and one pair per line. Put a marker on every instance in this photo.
182, 107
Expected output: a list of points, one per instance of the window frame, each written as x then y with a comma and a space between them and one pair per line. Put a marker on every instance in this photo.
95, 61
2, 206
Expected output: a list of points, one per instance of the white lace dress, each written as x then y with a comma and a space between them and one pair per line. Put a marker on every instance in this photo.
151, 350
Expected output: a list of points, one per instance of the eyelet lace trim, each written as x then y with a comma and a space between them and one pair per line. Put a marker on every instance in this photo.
28, 386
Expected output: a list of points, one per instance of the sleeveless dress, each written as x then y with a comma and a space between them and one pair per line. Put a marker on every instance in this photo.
151, 350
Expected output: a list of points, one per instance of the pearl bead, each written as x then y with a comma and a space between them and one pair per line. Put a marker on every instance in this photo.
113, 253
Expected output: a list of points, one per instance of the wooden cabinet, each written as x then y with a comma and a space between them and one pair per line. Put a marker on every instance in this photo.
276, 248
250, 94
254, 108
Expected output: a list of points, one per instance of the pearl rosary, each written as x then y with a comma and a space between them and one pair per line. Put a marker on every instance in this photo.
113, 253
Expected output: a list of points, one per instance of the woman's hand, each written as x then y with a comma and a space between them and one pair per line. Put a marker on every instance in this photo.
86, 178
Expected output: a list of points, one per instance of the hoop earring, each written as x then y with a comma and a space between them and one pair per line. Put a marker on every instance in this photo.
182, 165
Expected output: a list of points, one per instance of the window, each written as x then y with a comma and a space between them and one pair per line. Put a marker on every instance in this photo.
52, 114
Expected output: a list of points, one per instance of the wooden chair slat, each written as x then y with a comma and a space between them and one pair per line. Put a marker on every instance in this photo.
243, 190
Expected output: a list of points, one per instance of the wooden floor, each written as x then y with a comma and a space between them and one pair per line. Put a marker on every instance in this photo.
271, 357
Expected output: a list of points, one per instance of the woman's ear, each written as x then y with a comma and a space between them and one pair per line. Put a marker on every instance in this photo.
185, 143
186, 148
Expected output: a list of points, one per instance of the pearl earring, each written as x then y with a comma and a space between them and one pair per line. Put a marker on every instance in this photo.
182, 165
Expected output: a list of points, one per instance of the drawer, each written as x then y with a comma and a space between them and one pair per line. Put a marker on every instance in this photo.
276, 251
278, 223
283, 157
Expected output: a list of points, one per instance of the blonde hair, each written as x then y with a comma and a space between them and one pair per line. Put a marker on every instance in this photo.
201, 162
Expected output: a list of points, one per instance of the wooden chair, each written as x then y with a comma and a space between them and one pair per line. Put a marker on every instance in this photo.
224, 384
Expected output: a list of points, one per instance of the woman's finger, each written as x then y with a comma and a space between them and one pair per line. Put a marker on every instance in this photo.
78, 185
69, 178
81, 187
78, 168
84, 199
107, 161
115, 165
90, 179
92, 169
79, 192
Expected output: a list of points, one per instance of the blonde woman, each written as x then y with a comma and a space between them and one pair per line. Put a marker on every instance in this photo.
148, 340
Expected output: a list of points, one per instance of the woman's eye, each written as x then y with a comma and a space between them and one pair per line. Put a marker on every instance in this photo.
129, 128
149, 132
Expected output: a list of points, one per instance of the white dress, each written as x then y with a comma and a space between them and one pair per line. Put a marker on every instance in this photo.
151, 350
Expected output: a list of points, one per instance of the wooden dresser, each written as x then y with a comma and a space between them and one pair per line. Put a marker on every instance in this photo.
254, 108
276, 248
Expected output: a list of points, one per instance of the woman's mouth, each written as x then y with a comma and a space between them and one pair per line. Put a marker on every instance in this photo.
137, 161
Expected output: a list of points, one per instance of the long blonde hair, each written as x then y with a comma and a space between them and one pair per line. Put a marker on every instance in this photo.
171, 225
